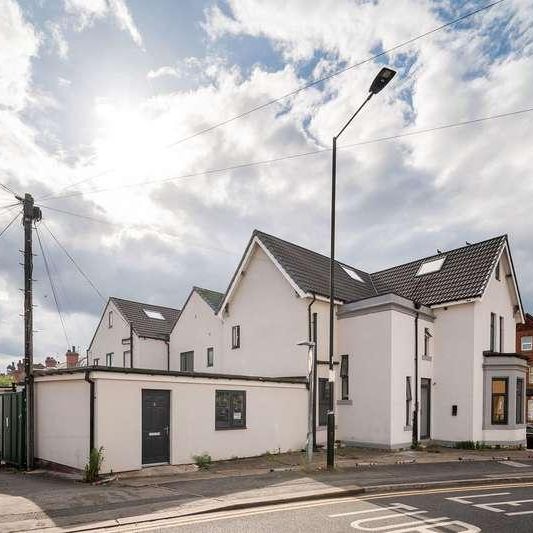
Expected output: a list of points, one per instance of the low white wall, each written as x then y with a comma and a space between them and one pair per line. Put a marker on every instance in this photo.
62, 420
275, 416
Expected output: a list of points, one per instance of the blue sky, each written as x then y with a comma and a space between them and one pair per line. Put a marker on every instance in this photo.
98, 90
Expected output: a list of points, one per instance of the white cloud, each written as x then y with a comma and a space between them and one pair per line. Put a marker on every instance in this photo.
58, 39
18, 45
88, 11
166, 71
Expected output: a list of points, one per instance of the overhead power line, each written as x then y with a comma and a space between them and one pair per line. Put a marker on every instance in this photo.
7, 189
74, 262
52, 285
408, 133
302, 88
9, 223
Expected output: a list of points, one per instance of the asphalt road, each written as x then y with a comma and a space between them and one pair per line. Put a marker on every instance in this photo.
498, 508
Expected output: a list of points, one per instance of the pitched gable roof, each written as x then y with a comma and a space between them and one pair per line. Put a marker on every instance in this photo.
212, 298
310, 270
464, 274
143, 325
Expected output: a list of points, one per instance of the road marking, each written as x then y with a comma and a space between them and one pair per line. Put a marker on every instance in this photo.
515, 464
492, 506
391, 507
461, 499
166, 523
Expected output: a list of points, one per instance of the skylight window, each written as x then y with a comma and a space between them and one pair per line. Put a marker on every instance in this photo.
428, 267
153, 314
352, 273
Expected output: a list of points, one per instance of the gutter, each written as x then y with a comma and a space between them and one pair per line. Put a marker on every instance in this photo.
415, 413
131, 345
168, 354
91, 409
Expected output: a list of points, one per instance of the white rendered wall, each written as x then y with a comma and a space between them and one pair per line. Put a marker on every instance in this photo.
273, 319
149, 353
367, 340
275, 417
62, 420
197, 329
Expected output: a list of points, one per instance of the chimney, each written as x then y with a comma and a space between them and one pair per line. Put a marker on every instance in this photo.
50, 362
72, 357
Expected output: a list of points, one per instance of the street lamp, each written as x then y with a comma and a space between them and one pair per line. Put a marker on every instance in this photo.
384, 76
311, 380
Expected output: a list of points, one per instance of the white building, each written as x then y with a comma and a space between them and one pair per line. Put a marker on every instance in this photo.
439, 330
132, 335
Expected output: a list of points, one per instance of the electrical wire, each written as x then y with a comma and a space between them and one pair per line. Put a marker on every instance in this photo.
54, 292
207, 172
9, 224
139, 227
303, 87
7, 189
74, 262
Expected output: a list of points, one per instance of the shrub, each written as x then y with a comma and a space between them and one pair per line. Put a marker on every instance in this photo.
465, 445
92, 468
203, 460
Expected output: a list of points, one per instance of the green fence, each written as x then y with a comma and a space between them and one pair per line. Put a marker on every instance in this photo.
12, 428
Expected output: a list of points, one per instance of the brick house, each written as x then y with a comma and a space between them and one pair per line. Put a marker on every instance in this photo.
524, 346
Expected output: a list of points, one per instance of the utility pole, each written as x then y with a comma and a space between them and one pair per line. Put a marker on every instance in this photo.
30, 213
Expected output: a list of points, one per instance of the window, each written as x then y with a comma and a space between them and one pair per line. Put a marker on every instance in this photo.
408, 400
431, 266
230, 409
427, 339
531, 374
109, 359
235, 337
324, 401
126, 356
492, 332
352, 273
96, 361
187, 361
526, 343
498, 271
500, 400
150, 313
519, 400
110, 319
501, 334
210, 356
345, 390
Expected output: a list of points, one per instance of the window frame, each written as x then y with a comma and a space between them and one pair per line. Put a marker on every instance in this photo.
522, 349
492, 332
230, 422
427, 338
497, 271
519, 401
210, 360
125, 354
109, 358
408, 401
96, 361
184, 357
345, 377
235, 337
505, 395
110, 319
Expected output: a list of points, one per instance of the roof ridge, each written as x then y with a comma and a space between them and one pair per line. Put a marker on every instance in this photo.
143, 303
256, 232
504, 236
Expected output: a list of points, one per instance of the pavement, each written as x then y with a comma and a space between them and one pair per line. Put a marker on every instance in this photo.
52, 502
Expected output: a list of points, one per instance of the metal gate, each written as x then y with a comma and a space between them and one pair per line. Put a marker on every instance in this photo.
12, 428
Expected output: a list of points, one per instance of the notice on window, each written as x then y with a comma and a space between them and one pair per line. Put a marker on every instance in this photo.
237, 416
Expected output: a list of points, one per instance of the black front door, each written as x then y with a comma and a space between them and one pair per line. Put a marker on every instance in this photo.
155, 426
324, 401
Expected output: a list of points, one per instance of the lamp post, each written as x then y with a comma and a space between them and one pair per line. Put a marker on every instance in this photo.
311, 380
384, 76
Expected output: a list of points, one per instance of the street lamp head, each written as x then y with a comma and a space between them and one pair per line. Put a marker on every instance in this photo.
381, 80
309, 344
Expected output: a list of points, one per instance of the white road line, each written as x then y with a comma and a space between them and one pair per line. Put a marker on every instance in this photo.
461, 499
515, 464
494, 506
391, 507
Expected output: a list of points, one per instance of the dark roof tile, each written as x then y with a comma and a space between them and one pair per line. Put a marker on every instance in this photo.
212, 298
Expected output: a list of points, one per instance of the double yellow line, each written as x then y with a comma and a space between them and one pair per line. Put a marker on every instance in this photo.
228, 515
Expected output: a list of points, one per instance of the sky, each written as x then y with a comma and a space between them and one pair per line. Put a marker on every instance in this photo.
100, 101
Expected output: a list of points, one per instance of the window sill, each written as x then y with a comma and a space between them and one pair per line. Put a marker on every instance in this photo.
344, 402
230, 429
